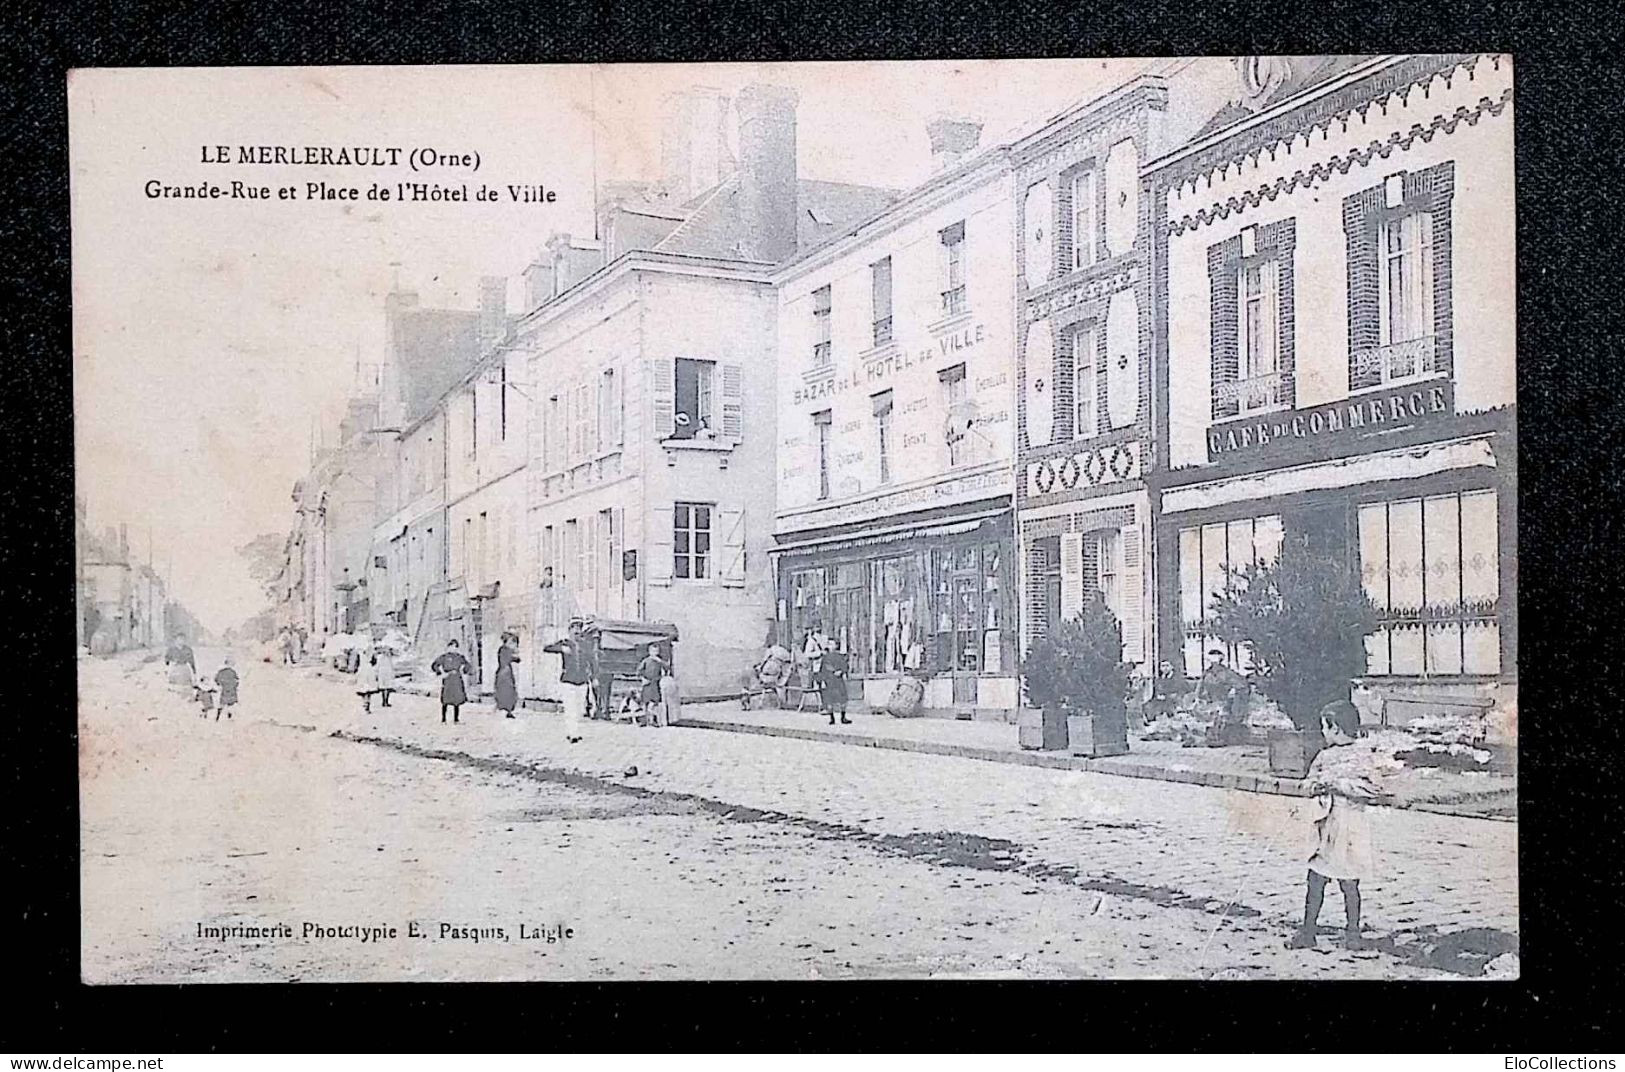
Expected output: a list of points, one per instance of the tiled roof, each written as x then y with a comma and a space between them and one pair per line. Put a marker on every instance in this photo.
824, 211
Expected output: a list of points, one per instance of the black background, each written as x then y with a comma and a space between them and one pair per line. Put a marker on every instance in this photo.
1570, 91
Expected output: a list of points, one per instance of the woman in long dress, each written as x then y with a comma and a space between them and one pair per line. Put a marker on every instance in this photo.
506, 688
451, 666
182, 667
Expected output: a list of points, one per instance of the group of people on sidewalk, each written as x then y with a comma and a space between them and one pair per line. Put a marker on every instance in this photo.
588, 685
585, 685
826, 668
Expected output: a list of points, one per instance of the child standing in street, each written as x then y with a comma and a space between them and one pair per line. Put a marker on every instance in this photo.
205, 694
1344, 778
650, 670
366, 680
226, 678
832, 689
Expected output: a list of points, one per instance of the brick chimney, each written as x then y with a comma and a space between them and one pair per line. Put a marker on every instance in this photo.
493, 310
768, 206
952, 139
694, 154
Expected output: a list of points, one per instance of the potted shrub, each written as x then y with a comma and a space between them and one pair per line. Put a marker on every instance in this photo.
1041, 722
1077, 677
1304, 618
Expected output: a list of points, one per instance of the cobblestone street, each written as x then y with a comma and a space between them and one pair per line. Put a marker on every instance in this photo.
722, 856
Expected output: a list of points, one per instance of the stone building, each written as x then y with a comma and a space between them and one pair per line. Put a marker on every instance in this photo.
651, 371
893, 532
1334, 287
1084, 364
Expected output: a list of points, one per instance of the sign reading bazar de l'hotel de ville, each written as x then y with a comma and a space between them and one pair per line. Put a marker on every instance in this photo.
1332, 425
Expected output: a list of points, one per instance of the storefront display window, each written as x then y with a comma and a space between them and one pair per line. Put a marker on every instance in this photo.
1432, 567
900, 611
1206, 554
940, 610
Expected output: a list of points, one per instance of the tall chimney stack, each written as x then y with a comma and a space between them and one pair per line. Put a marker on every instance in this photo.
952, 139
694, 154
493, 310
767, 172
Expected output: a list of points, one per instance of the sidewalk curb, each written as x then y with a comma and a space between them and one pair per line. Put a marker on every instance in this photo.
1246, 783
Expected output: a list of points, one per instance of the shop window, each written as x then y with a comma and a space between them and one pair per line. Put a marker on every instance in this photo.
1207, 556
823, 313
807, 591
880, 300
959, 608
900, 611
1432, 567
953, 270
691, 541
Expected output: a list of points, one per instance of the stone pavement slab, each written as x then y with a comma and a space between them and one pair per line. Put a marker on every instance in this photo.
1235, 859
1239, 767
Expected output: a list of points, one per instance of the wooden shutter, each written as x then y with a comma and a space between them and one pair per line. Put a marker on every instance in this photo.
1133, 620
617, 577
1072, 588
1362, 219
1090, 566
732, 401
587, 418
662, 373
655, 562
1223, 262
589, 560
1036, 601
732, 526
617, 408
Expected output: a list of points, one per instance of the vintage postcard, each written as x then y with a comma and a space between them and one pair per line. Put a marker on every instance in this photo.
1039, 519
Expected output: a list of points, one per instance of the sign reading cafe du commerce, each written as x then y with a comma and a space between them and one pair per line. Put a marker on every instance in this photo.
1334, 423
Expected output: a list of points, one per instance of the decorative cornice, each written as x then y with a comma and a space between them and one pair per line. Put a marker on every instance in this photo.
1341, 164
1067, 294
1297, 118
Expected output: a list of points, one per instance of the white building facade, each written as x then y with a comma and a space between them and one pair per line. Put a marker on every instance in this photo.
650, 464
1335, 299
894, 531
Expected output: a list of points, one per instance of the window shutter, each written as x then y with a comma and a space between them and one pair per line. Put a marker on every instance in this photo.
1133, 605
732, 401
589, 419
1223, 262
617, 577
662, 384
1071, 574
732, 573
589, 563
1362, 217
656, 560
1037, 598
617, 408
